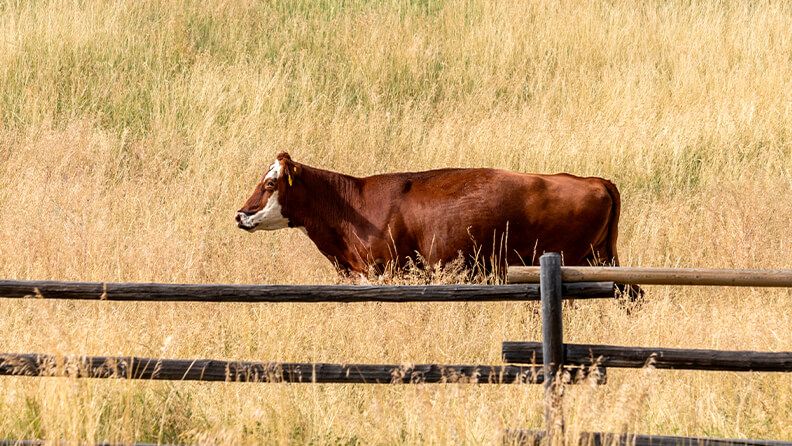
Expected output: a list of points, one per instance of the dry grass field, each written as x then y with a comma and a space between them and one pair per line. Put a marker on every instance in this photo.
131, 131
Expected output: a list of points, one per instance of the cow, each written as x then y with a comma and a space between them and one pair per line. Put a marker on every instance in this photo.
438, 215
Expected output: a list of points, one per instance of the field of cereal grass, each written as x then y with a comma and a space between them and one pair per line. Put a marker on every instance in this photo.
130, 132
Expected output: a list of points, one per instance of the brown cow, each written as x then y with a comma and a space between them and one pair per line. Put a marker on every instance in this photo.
359, 223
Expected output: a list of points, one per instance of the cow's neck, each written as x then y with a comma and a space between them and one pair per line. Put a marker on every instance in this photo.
332, 211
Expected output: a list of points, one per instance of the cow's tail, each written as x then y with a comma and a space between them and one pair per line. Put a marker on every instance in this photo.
632, 292
613, 223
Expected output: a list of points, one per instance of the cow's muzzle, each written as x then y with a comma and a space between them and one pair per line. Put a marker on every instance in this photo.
243, 221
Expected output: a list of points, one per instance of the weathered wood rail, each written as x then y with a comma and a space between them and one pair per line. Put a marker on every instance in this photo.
659, 276
164, 292
660, 358
66, 443
129, 367
530, 437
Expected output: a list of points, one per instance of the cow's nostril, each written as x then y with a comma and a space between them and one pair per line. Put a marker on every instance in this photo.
238, 217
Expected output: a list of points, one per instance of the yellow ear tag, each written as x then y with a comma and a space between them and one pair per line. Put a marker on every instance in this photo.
290, 180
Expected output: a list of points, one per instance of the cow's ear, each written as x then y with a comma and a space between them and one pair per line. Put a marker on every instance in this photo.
292, 170
283, 156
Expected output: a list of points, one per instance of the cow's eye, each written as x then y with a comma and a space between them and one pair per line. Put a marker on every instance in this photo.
269, 185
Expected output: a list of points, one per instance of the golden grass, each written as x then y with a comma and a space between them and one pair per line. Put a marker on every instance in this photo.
130, 132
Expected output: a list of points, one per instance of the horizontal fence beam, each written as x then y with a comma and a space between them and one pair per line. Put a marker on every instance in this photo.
7, 442
126, 367
534, 437
289, 293
661, 358
660, 276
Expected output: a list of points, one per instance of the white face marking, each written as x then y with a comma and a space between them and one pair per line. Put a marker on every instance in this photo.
269, 218
274, 171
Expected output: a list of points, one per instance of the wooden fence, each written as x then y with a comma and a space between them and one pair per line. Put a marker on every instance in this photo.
561, 364
555, 355
26, 364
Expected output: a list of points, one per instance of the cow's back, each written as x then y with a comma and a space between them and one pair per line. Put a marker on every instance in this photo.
482, 212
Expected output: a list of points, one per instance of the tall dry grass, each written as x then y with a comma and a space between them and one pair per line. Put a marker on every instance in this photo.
130, 132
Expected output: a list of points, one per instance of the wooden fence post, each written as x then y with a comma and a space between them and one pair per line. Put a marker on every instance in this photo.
552, 344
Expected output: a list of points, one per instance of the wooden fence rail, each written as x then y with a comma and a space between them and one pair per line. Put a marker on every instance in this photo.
530, 437
7, 442
661, 358
161, 292
659, 276
129, 367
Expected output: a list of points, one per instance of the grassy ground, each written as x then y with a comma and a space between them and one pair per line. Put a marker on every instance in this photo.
130, 132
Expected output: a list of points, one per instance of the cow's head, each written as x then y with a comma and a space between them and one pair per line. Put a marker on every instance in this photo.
264, 209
